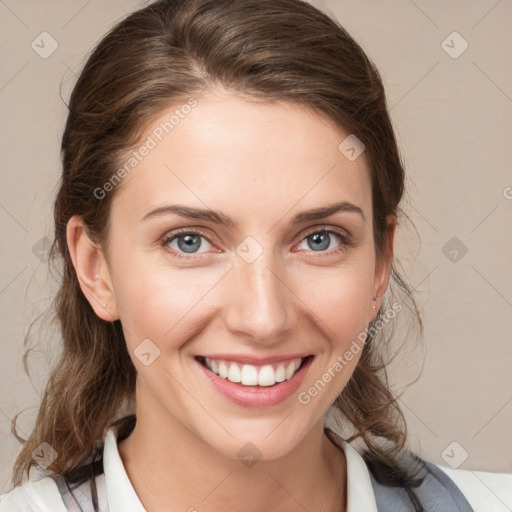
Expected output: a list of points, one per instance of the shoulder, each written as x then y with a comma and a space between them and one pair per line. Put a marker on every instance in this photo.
33, 496
436, 487
485, 491
50, 494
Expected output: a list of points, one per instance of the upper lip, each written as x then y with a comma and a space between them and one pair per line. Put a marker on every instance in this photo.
257, 361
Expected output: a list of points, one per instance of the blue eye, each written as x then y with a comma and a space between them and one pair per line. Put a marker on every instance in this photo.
188, 242
320, 241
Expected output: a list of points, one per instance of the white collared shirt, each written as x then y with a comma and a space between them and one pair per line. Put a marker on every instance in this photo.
485, 491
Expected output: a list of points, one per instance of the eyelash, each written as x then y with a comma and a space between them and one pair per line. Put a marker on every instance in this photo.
347, 241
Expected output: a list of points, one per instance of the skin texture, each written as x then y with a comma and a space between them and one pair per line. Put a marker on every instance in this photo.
260, 164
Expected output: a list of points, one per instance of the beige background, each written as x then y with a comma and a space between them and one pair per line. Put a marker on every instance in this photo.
453, 118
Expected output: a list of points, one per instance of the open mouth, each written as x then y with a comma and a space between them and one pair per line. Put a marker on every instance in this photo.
267, 375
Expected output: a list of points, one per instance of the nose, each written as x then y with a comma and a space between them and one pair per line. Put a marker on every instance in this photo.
261, 307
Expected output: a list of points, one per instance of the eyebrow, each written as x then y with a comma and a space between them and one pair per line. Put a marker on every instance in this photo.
219, 218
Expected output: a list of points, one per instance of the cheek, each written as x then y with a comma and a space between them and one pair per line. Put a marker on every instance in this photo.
156, 301
339, 301
340, 306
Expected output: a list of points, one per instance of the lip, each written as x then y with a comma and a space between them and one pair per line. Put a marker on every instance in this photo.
256, 396
256, 361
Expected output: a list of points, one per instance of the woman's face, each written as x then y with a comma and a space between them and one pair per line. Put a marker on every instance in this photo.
255, 281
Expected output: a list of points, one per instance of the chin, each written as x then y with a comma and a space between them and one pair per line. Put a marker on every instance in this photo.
264, 440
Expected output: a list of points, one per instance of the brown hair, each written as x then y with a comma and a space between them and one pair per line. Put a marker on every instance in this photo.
269, 50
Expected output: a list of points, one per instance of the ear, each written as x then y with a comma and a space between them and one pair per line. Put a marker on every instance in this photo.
383, 268
92, 270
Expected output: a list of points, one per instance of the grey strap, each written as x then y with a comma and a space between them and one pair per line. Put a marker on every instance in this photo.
426, 488
416, 486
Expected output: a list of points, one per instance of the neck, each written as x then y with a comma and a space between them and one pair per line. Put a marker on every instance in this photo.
169, 464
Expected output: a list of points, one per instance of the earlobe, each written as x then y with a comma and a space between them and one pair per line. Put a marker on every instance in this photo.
91, 270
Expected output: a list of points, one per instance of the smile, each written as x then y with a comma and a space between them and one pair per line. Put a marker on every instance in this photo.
253, 375
254, 385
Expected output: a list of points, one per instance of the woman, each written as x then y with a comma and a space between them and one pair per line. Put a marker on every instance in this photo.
226, 217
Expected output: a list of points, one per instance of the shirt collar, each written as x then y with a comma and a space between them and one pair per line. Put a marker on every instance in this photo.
120, 492
122, 495
360, 495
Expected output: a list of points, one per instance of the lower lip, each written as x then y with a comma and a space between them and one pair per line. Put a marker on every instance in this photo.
257, 396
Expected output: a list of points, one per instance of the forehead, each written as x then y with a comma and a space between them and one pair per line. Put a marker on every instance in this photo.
228, 152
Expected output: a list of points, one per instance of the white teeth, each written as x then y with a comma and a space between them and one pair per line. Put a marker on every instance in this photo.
249, 375
234, 373
290, 370
267, 376
280, 373
223, 370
